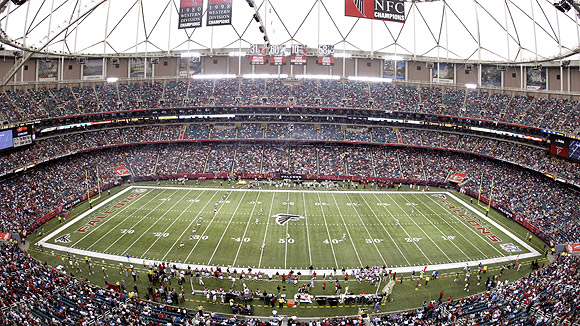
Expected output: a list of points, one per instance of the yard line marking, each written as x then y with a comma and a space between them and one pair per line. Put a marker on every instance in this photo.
226, 230
327, 231
363, 224
347, 231
425, 233
443, 234
407, 233
189, 226
463, 224
307, 234
207, 228
119, 223
246, 230
286, 242
170, 225
266, 233
149, 228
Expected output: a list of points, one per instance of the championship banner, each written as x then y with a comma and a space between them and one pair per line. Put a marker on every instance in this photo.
326, 55
4, 236
190, 13
277, 55
258, 54
391, 10
298, 54
122, 171
571, 248
219, 12
457, 177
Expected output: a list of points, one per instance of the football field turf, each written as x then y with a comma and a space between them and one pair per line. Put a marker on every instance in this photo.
288, 229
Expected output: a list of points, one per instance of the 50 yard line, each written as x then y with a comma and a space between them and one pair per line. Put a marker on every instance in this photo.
307, 234
266, 233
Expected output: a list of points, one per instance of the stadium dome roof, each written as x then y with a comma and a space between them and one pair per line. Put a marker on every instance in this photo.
478, 30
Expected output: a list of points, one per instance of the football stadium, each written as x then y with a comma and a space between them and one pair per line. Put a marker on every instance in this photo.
289, 163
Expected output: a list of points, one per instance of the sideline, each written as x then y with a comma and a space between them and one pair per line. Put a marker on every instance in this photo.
149, 262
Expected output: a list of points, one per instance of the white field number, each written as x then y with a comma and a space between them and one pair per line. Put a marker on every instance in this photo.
161, 234
351, 204
321, 204
288, 203
165, 199
374, 240
335, 241
411, 204
289, 240
193, 200
255, 202
448, 237
224, 201
127, 231
383, 204
241, 239
413, 239
200, 237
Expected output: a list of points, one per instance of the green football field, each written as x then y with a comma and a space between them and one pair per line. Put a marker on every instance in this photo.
288, 229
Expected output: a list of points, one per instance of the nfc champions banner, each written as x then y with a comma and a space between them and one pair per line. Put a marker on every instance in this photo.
190, 13
326, 55
219, 12
391, 10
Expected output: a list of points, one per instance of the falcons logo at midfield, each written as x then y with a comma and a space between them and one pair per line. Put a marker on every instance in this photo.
282, 219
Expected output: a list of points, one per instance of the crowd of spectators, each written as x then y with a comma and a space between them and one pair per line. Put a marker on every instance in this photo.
548, 113
36, 293
526, 193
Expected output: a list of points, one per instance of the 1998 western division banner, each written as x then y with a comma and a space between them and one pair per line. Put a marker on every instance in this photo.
219, 12
392, 10
190, 13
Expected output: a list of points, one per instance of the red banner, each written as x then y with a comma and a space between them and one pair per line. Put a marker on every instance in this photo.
457, 177
573, 248
122, 171
326, 61
4, 236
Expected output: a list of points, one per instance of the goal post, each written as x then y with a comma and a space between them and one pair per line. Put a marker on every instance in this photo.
479, 201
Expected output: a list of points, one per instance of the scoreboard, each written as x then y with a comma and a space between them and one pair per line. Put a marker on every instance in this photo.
14, 136
564, 147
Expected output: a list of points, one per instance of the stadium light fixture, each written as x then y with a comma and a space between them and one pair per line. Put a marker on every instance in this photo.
190, 55
112, 79
394, 58
343, 55
265, 76
471, 86
237, 54
216, 76
371, 79
321, 77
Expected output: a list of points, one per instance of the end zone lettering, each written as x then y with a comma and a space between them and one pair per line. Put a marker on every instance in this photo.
471, 221
108, 212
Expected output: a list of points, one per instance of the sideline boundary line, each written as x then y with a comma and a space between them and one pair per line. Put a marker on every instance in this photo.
533, 253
